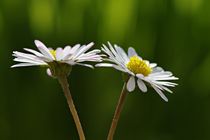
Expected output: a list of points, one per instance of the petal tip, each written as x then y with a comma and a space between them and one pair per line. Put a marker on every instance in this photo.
36, 41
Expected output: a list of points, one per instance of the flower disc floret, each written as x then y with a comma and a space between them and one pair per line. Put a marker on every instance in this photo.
53, 52
138, 66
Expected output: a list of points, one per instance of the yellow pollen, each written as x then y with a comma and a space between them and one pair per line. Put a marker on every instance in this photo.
53, 52
138, 66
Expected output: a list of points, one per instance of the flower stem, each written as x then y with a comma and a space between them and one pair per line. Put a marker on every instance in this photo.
65, 86
117, 113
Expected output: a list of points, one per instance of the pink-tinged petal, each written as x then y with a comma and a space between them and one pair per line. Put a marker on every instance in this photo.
131, 52
66, 51
131, 84
44, 50
141, 76
141, 85
59, 54
49, 73
74, 49
83, 49
122, 53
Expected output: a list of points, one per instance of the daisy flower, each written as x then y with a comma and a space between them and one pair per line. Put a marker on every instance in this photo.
58, 58
140, 71
136, 70
59, 63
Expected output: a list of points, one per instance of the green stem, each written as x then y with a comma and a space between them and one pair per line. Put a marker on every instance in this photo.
65, 86
117, 113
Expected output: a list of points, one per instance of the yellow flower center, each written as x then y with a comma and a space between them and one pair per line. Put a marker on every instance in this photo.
53, 52
138, 66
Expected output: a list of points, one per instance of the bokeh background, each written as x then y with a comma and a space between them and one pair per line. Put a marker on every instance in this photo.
173, 33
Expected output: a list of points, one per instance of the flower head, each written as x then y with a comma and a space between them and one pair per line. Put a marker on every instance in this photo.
137, 68
58, 61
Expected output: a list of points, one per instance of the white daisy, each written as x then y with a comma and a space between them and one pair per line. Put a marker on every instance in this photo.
137, 68
66, 57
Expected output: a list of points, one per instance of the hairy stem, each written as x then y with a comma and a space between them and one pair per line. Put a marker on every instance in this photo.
117, 113
65, 86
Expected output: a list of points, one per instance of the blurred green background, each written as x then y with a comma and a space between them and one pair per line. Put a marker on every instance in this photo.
173, 33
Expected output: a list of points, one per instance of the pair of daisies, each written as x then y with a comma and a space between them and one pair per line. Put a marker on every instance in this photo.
132, 64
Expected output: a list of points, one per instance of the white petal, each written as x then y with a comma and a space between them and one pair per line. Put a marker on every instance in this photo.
170, 84
112, 49
93, 52
111, 65
107, 51
70, 62
152, 65
30, 56
165, 78
142, 85
131, 52
141, 76
44, 59
161, 74
23, 55
113, 55
33, 51
83, 49
122, 53
29, 61
74, 49
49, 73
167, 89
88, 57
23, 65
86, 65
157, 69
59, 54
120, 68
44, 50
104, 65
131, 84
66, 51
160, 93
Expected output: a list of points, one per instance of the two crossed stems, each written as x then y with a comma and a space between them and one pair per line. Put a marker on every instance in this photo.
65, 86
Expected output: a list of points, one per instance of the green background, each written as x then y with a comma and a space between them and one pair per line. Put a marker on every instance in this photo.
173, 33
